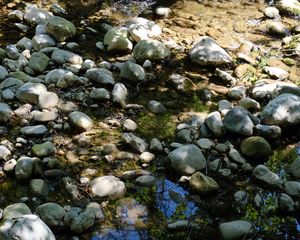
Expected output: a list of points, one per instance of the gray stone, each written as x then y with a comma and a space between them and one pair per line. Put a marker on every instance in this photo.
277, 29
80, 121
5, 113
12, 52
199, 183
35, 15
224, 106
29, 92
215, 124
51, 213
60, 77
286, 204
38, 62
60, 28
24, 43
187, 159
41, 41
107, 186
39, 187
266, 176
151, 50
8, 94
292, 188
256, 148
34, 130
235, 156
48, 100
23, 227
24, 168
119, 94
156, 107
249, 104
5, 153
137, 143
14, 65
116, 39
276, 72
15, 210
205, 143
132, 72
62, 56
156, 145
146, 181
267, 131
237, 92
282, 111
226, 78
99, 94
101, 76
206, 51
295, 168
241, 198
236, 230
43, 150
3, 73
15, 15
129, 125
184, 136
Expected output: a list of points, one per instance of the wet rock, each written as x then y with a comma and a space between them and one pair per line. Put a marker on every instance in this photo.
156, 107
151, 50
3, 73
15, 210
51, 213
99, 94
206, 51
129, 125
48, 100
146, 181
80, 121
249, 104
187, 159
24, 43
205, 143
34, 130
41, 41
35, 15
107, 186
43, 150
282, 110
132, 72
5, 113
286, 204
116, 39
277, 29
289, 6
199, 183
271, 12
39, 187
38, 62
276, 72
256, 148
215, 124
22, 228
237, 92
236, 230
137, 143
62, 56
60, 28
292, 188
101, 76
29, 92
240, 121
119, 94
267, 131
156, 145
266, 176
24, 168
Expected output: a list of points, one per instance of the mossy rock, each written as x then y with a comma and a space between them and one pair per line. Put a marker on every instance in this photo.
256, 148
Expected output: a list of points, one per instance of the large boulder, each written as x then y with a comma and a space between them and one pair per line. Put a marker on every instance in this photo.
187, 159
282, 111
152, 50
60, 28
236, 230
27, 227
206, 51
256, 148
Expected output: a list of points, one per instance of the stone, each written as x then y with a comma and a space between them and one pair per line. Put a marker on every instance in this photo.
295, 168
8, 94
268, 131
205, 144
116, 39
215, 124
80, 121
277, 29
147, 157
62, 56
132, 72
292, 188
24, 168
41, 41
99, 94
107, 186
5, 153
201, 184
137, 143
35, 15
101, 76
29, 92
286, 204
249, 104
152, 50
15, 15
129, 125
5, 113
163, 12
156, 145
38, 62
271, 12
289, 7
184, 136
34, 130
12, 52
119, 94
9, 166
256, 148
277, 73
43, 150
156, 107
39, 187
15, 210
25, 43
266, 176
48, 100
88, 64
23, 227
236, 230
224, 106
282, 111
237, 92
226, 78
60, 77
146, 181
206, 51
3, 73
241, 198
239, 120
51, 213
235, 156
59, 28
187, 159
